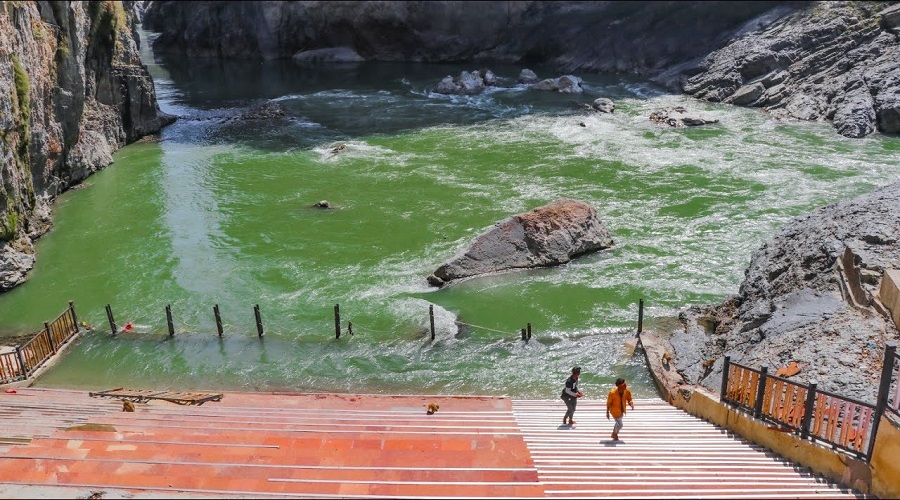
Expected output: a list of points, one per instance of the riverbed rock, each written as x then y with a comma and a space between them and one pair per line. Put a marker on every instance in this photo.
528, 77
546, 236
680, 117
331, 55
467, 83
566, 84
808, 297
603, 105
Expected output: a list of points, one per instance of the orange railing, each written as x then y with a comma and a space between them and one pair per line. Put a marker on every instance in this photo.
844, 423
22, 363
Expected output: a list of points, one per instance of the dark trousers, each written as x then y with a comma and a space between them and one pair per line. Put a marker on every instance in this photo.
570, 405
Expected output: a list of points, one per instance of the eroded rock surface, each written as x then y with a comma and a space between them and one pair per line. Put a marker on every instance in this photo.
75, 92
837, 61
808, 297
546, 236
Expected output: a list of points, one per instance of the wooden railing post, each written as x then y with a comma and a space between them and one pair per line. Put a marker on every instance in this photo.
74, 316
760, 391
808, 409
169, 320
50, 336
259, 327
431, 319
22, 362
112, 321
218, 319
726, 367
887, 372
337, 321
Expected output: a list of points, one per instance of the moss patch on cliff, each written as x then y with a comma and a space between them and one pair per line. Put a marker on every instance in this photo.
108, 19
10, 226
22, 102
23, 91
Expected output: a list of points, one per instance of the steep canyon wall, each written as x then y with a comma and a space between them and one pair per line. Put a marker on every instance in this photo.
72, 91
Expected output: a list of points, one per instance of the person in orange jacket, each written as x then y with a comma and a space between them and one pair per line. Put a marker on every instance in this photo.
615, 404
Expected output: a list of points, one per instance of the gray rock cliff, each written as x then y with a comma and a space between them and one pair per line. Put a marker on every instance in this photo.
808, 296
837, 61
74, 91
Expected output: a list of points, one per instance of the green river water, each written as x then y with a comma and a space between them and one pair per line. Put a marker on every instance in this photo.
218, 211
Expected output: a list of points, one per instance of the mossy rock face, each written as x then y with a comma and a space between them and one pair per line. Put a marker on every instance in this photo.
92, 427
8, 230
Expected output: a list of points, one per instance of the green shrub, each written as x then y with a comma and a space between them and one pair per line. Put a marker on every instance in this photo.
23, 91
8, 232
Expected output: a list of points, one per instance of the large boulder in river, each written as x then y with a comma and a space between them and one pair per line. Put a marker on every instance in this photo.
546, 236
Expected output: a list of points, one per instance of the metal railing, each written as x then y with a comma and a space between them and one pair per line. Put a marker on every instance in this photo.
893, 374
28, 357
845, 423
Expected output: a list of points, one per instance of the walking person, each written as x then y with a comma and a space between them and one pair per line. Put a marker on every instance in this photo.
570, 395
615, 404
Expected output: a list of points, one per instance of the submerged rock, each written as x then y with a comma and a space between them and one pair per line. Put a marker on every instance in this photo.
333, 55
546, 236
467, 83
603, 105
566, 84
680, 117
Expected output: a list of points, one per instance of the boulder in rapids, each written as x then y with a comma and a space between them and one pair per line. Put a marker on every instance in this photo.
546, 236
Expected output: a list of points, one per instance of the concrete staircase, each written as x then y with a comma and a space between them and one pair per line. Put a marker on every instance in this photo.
330, 446
662, 452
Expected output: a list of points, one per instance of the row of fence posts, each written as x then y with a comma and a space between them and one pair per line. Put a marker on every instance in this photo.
171, 325
525, 332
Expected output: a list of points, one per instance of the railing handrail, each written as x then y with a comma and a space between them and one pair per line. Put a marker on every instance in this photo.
894, 406
10, 370
846, 398
31, 354
844, 422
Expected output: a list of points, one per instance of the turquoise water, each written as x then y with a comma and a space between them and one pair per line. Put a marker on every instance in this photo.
218, 211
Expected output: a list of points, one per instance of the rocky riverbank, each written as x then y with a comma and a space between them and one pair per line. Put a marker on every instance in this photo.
837, 61
77, 92
810, 296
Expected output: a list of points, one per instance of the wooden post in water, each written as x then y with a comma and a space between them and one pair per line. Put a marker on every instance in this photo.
632, 342
112, 321
169, 320
74, 316
218, 319
259, 328
350, 327
529, 332
524, 335
50, 336
431, 319
337, 321
640, 317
